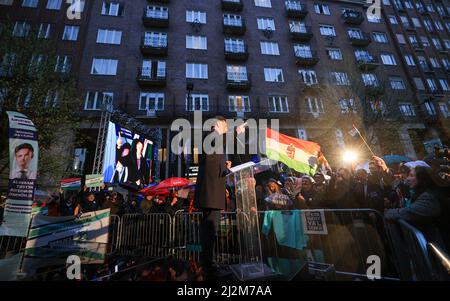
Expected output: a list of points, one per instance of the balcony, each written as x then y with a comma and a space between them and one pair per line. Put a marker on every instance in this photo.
236, 27
426, 68
374, 89
233, 5
360, 39
153, 46
147, 78
152, 18
417, 46
238, 81
306, 57
352, 17
236, 52
367, 62
296, 10
301, 34
422, 11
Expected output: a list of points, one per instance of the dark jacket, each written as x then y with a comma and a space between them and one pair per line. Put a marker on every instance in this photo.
369, 195
211, 180
141, 172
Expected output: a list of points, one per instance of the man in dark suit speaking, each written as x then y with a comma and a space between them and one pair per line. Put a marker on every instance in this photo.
210, 195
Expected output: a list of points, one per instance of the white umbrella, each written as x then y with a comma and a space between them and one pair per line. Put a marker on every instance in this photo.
414, 164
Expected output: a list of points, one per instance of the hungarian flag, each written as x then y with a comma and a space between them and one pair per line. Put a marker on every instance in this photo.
298, 154
70, 184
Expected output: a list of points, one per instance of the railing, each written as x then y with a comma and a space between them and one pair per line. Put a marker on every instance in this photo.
156, 14
233, 22
235, 48
154, 42
442, 257
237, 76
147, 74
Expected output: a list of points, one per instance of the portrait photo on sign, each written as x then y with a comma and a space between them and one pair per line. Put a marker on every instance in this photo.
23, 154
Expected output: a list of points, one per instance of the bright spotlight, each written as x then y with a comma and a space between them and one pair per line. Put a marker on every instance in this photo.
350, 156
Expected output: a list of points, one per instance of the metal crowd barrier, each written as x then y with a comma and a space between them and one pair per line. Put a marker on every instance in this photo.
415, 257
187, 237
10, 245
145, 235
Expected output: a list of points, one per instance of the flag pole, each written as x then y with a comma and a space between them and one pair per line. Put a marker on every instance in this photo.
364, 140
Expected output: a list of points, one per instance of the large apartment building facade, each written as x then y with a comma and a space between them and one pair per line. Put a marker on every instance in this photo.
317, 66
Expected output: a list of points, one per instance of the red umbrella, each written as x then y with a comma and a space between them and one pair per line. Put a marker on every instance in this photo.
173, 183
155, 190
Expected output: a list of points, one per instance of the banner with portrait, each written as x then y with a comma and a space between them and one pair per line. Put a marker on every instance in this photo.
23, 163
127, 157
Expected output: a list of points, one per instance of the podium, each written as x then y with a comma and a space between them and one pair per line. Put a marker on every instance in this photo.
251, 265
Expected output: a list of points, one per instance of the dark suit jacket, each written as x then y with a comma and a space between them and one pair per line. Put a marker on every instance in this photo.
135, 173
211, 181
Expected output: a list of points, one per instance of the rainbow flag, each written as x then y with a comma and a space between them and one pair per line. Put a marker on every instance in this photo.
298, 154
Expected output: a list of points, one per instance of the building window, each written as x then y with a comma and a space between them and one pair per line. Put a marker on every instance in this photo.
239, 103
437, 43
340, 78
36, 63
373, 18
273, 74
237, 73
109, 36
232, 20
327, 30
155, 39
44, 31
113, 9
234, 45
322, 9
400, 38
278, 104
263, 3
29, 3
429, 107
157, 12
378, 107
70, 33
388, 59
340, 141
434, 63
406, 109
315, 106
409, 60
196, 42
266, 23
6, 2
447, 43
370, 79
269, 48
397, 83
432, 84
63, 63
194, 70
153, 69
334, 53
444, 84
380, 37
151, 101
416, 22
77, 5
104, 66
54, 4
21, 29
197, 102
419, 83
392, 19
302, 134
195, 16
347, 106
95, 100
424, 40
444, 110
308, 76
